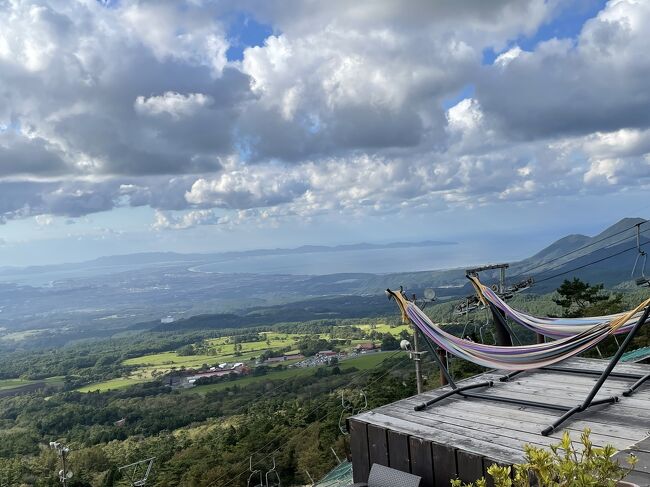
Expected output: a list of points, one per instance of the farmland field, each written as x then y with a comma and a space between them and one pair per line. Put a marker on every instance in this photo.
363, 362
109, 385
219, 350
6, 384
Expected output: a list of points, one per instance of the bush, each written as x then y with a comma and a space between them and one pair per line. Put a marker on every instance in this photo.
562, 466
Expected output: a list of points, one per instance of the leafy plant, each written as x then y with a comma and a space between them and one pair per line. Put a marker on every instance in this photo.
561, 466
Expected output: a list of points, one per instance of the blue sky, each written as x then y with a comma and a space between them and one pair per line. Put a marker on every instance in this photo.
148, 126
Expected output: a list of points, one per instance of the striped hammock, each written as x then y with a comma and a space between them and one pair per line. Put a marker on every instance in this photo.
516, 357
550, 327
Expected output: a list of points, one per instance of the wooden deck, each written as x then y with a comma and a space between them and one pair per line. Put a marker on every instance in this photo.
461, 437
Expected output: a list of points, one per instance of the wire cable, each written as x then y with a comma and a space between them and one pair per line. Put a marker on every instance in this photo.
356, 377
304, 430
590, 263
590, 244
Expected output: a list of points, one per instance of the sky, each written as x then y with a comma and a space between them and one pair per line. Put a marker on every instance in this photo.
204, 126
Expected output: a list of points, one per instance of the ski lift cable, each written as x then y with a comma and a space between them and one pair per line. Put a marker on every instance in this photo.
590, 263
355, 377
540, 280
281, 447
541, 264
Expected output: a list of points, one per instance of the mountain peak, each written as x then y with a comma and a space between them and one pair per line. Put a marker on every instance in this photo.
620, 227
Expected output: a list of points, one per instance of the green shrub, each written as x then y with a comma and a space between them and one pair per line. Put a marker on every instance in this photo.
562, 466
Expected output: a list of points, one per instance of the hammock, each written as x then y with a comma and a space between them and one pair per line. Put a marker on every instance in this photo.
550, 327
523, 357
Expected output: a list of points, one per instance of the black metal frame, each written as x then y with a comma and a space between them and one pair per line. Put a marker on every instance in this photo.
568, 410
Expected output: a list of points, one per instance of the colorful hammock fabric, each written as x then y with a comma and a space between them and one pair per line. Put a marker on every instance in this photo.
522, 357
550, 327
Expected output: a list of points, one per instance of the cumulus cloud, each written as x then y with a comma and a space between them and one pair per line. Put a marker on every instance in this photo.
44, 220
173, 104
249, 188
166, 221
596, 82
348, 108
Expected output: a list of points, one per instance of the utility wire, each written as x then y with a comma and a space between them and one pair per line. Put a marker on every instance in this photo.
280, 448
590, 263
591, 244
356, 377
557, 266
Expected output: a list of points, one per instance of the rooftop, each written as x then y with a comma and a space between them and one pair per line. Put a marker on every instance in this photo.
463, 436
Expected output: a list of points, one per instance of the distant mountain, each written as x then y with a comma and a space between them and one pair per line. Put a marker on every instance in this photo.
119, 291
559, 248
144, 259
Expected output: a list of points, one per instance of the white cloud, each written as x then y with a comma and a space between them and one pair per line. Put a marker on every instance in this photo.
187, 32
507, 57
174, 104
167, 221
44, 220
341, 111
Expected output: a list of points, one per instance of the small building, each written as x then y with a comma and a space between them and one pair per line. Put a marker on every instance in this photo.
295, 356
326, 353
272, 360
284, 358
238, 368
166, 320
364, 347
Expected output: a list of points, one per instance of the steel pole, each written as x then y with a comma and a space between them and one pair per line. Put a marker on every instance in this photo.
416, 359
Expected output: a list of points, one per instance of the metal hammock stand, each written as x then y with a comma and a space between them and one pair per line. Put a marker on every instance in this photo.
568, 411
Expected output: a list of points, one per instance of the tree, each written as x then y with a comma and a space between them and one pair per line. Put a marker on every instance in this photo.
186, 350
389, 342
575, 296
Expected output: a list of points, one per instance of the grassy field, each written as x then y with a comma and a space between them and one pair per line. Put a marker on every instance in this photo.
148, 367
384, 328
6, 384
364, 362
110, 385
9, 384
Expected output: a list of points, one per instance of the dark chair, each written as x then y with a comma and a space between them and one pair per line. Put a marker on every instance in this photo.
381, 476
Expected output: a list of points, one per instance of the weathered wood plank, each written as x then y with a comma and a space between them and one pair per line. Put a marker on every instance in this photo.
638, 407
514, 416
444, 464
458, 432
421, 460
377, 445
359, 450
457, 437
474, 429
398, 451
643, 445
469, 465
512, 425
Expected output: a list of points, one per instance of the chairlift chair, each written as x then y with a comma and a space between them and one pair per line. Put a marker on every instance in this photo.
252, 475
351, 408
470, 304
642, 256
135, 479
273, 472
